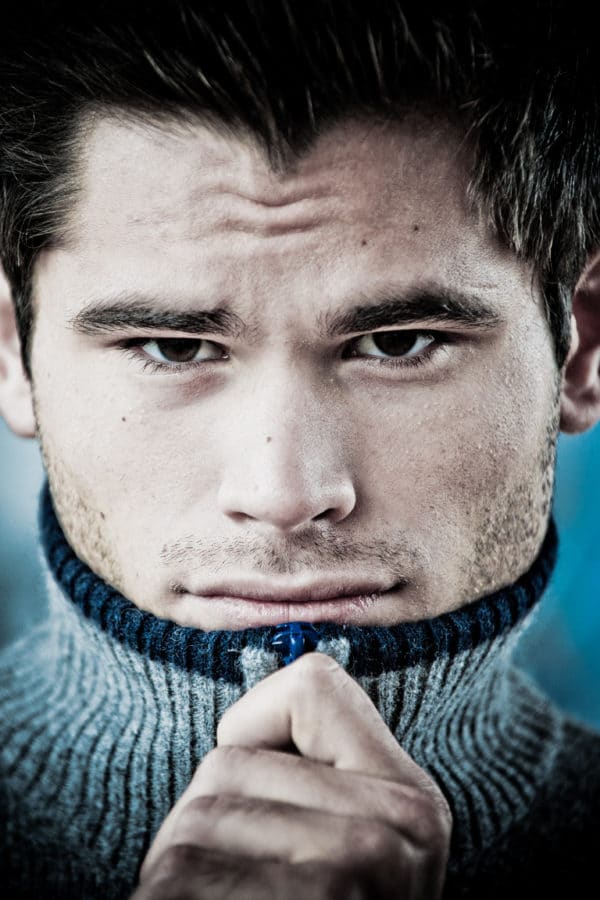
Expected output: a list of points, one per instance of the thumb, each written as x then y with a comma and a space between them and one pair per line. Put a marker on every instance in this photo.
315, 705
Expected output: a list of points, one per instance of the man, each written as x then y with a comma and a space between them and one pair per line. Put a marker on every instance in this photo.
296, 298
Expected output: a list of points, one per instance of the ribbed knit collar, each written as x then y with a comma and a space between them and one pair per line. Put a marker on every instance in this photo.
373, 650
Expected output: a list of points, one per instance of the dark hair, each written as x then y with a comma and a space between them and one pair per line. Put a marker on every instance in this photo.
519, 81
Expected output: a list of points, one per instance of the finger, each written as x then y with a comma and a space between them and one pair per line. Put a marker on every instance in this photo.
272, 775
318, 707
186, 872
256, 828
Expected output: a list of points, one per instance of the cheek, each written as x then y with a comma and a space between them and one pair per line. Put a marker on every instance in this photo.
125, 456
448, 451
158, 464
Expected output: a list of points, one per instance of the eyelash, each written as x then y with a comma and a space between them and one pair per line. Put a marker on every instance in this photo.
440, 340
131, 348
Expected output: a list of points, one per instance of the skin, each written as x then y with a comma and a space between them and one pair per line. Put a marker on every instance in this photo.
289, 462
295, 457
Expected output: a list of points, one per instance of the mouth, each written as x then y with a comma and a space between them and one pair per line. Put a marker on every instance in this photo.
251, 605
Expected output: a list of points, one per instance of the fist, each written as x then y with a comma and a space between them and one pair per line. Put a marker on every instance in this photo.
307, 795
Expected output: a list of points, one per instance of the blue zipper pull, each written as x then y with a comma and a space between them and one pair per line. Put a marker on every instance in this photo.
293, 639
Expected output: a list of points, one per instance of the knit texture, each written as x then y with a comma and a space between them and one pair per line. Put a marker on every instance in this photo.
106, 710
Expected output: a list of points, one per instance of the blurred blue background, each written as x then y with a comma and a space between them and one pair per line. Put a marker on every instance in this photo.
560, 649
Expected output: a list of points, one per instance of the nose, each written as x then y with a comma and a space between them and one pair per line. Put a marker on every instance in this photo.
284, 465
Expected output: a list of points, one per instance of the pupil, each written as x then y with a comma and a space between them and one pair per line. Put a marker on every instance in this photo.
394, 343
178, 350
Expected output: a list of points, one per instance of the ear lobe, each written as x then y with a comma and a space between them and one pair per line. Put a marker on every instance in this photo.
580, 398
16, 400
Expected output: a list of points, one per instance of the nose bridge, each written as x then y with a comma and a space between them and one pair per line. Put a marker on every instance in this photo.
285, 464
294, 413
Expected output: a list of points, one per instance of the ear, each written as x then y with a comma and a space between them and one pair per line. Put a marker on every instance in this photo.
580, 398
16, 399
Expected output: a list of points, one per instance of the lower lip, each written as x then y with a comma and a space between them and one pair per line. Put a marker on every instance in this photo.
240, 612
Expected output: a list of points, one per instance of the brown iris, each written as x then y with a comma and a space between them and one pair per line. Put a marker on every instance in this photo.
395, 343
178, 350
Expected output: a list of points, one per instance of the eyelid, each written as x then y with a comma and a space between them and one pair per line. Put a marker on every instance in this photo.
130, 345
436, 328
159, 339
441, 340
175, 336
434, 351
440, 337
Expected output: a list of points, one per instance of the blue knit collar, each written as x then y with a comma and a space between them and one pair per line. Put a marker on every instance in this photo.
215, 653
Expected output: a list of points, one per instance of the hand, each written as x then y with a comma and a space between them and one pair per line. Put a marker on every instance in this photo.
351, 816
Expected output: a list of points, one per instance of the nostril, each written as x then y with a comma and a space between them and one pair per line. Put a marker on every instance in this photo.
326, 514
240, 516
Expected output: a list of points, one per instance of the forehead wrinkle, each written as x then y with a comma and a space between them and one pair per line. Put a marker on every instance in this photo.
264, 202
279, 228
264, 215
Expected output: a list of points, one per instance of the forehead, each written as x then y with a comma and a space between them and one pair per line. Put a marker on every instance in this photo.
165, 179
184, 209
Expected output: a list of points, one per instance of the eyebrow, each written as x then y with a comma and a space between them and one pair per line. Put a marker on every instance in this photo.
432, 305
145, 313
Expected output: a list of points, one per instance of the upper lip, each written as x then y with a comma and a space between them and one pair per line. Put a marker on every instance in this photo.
279, 592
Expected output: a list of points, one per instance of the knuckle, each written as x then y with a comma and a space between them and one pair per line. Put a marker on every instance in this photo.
432, 820
218, 765
369, 842
430, 829
440, 805
195, 820
439, 810
444, 814
174, 862
399, 798
444, 807
206, 806
424, 812
203, 804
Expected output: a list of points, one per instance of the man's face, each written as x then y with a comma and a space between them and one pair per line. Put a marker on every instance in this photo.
257, 393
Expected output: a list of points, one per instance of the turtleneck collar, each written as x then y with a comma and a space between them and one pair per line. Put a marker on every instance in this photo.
106, 702
370, 651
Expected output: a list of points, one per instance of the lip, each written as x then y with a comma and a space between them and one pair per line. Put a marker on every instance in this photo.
295, 593
252, 604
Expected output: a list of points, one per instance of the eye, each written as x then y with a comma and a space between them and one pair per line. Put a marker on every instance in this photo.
179, 351
392, 344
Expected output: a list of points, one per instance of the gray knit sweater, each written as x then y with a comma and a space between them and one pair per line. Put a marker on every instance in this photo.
105, 711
